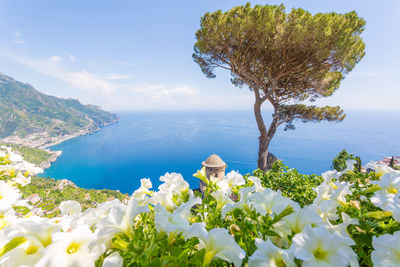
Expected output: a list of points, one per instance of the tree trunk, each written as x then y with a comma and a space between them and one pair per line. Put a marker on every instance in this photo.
265, 136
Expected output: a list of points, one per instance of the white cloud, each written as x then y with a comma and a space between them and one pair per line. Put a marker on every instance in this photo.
131, 64
87, 81
55, 59
116, 76
169, 95
17, 38
71, 58
83, 80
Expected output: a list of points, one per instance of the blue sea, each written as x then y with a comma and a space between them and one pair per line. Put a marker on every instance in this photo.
149, 144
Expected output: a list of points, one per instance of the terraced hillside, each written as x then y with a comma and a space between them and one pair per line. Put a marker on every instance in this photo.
25, 111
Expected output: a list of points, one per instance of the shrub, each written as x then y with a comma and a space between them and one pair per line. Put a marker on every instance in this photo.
290, 182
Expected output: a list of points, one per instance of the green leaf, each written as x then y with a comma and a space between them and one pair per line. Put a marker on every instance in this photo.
378, 214
15, 242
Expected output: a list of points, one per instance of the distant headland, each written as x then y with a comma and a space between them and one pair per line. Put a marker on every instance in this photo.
32, 119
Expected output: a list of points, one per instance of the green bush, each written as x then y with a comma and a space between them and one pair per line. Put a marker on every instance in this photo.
290, 182
339, 162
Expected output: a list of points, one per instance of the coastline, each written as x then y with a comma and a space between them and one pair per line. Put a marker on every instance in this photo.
56, 153
44, 144
62, 139
54, 156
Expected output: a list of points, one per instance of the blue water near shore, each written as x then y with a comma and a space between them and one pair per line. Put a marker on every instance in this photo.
149, 144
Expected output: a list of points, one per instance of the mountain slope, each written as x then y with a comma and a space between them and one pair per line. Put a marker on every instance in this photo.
24, 111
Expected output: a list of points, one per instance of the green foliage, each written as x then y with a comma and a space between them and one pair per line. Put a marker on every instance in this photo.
306, 54
372, 220
339, 162
290, 182
289, 113
30, 154
152, 248
51, 195
24, 111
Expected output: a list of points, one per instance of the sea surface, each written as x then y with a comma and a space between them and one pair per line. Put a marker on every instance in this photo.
149, 144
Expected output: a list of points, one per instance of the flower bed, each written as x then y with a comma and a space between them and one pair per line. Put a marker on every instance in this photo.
350, 218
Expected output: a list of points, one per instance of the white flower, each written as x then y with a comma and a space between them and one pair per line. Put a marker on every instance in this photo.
388, 202
21, 179
142, 194
327, 209
78, 247
7, 218
173, 182
341, 228
219, 243
324, 191
270, 201
8, 196
221, 198
386, 250
389, 182
14, 157
234, 178
223, 186
318, 247
350, 164
120, 219
329, 176
26, 254
268, 255
40, 229
171, 191
243, 203
113, 260
378, 168
332, 190
385, 201
175, 222
89, 217
257, 183
28, 167
70, 207
296, 221
103, 209
340, 192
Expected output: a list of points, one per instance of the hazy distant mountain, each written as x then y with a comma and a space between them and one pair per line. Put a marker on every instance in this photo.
24, 111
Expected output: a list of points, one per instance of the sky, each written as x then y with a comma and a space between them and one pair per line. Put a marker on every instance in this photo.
137, 55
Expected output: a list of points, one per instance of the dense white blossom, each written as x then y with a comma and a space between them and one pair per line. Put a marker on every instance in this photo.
175, 222
78, 247
8, 196
219, 243
379, 168
386, 250
269, 255
120, 219
316, 234
319, 247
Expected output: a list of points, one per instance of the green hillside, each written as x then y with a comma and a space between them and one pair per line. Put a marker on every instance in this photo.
24, 110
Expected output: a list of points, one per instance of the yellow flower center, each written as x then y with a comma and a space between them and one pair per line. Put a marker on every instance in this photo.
31, 250
392, 190
280, 263
320, 254
73, 247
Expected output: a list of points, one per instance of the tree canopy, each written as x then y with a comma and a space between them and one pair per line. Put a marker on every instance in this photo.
284, 58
